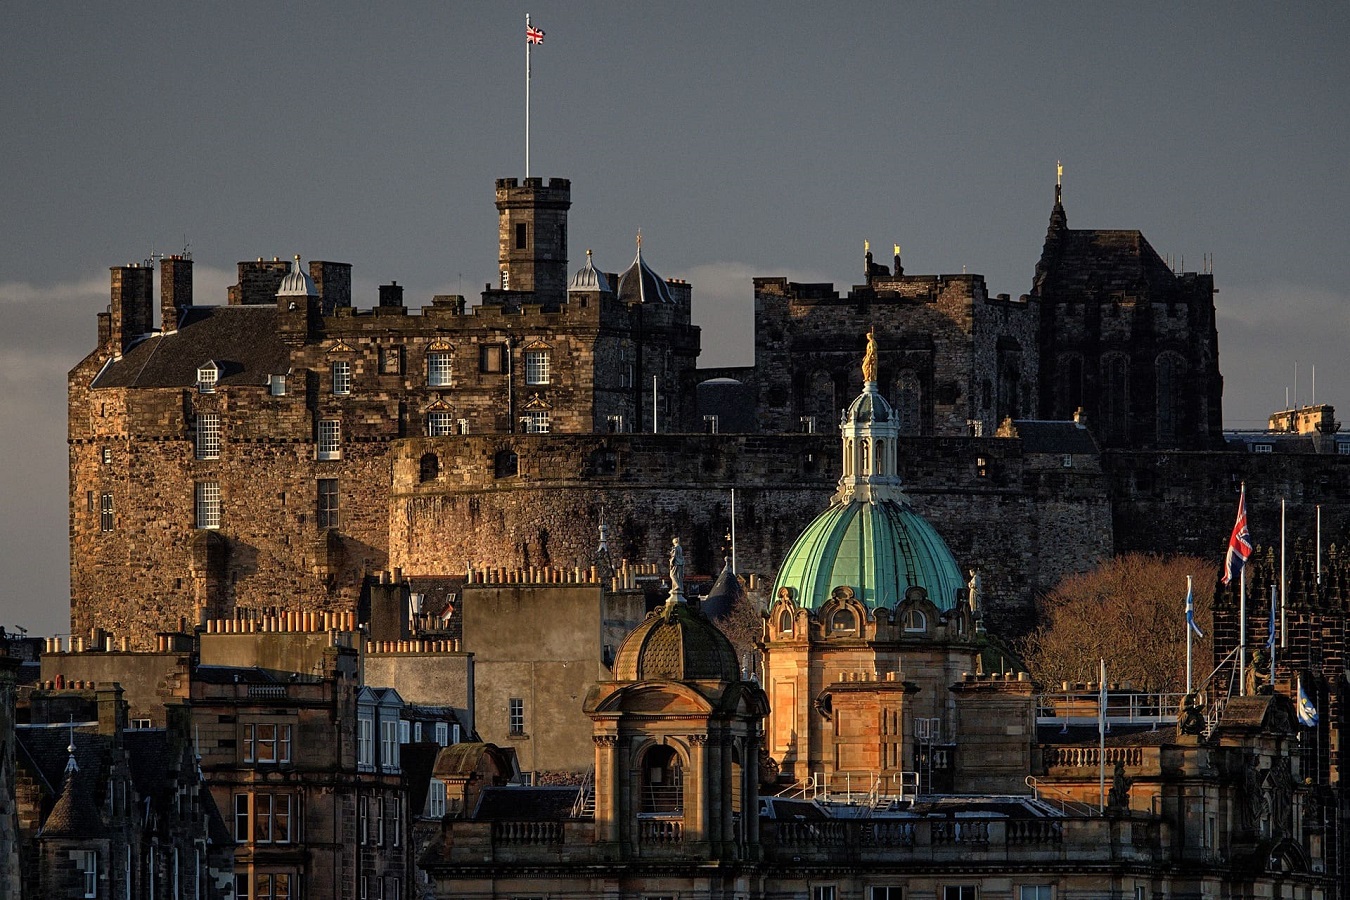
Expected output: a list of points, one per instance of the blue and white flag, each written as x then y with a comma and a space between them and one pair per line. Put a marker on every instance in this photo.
1307, 713
1190, 610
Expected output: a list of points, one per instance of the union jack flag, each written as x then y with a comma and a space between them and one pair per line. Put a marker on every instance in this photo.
534, 35
1240, 543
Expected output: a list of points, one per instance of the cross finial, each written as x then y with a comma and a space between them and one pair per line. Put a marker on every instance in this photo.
639, 239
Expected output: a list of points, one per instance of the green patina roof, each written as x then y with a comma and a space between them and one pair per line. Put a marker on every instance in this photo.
879, 549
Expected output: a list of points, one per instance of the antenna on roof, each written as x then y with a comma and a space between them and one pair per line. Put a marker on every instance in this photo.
186, 253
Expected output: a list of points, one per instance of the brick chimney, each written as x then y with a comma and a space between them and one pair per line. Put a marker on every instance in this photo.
175, 290
130, 309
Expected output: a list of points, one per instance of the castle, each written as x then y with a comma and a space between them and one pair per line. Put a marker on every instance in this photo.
285, 447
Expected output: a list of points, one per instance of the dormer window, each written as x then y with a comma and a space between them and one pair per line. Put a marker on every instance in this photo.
785, 622
207, 378
915, 621
843, 622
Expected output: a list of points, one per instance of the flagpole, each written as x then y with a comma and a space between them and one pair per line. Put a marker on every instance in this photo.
1188, 634
733, 532
1284, 631
1101, 739
1270, 639
1319, 544
528, 45
1242, 632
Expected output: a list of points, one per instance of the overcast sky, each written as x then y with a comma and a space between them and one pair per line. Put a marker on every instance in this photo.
764, 140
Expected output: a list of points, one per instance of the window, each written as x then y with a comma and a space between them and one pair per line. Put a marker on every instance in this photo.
915, 620
208, 435
1034, 892
522, 233
267, 743
1263, 448
417, 732
365, 821
428, 468
107, 456
241, 818
365, 741
886, 893
242, 885
442, 734
785, 621
273, 886
439, 369
396, 822
330, 439
208, 504
843, 622
959, 892
536, 422
342, 377
389, 745
492, 359
276, 385
807, 425
138, 724
328, 513
436, 799
404, 731
440, 423
614, 424
536, 367
379, 822
105, 512
391, 360
207, 378
1343, 448
710, 424
515, 715
89, 865
822, 892
271, 817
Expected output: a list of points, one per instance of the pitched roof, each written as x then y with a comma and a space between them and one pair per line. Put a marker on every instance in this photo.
525, 804
1044, 436
241, 340
1083, 263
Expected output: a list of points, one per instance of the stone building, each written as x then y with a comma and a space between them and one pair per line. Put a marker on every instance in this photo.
684, 801
285, 447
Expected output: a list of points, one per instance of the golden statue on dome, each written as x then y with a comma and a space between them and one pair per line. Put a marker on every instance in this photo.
869, 365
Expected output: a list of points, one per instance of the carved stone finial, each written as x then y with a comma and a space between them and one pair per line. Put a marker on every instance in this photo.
869, 364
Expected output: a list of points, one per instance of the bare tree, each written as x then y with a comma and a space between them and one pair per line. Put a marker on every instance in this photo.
1129, 611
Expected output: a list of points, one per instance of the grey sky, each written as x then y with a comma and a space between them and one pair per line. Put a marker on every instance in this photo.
765, 140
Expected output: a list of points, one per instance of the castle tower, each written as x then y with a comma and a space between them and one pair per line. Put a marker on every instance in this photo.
532, 236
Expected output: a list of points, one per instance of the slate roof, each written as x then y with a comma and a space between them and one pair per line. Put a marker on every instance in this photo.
208, 674
726, 590
1044, 436
525, 804
1097, 263
1139, 735
78, 810
242, 340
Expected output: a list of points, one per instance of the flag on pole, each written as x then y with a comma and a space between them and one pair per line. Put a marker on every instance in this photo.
534, 35
1239, 543
1270, 633
1307, 713
1190, 610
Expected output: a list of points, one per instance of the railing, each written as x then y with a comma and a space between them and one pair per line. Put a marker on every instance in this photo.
1085, 757
584, 806
267, 691
959, 831
1064, 800
1122, 707
660, 829
527, 832
1026, 832
889, 833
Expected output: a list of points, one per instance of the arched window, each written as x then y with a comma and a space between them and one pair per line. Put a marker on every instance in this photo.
819, 400
1170, 371
865, 468
881, 465
915, 621
429, 467
843, 622
1115, 397
908, 402
785, 621
1069, 386
848, 457
662, 782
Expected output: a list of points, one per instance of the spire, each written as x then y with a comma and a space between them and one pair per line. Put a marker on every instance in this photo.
1054, 235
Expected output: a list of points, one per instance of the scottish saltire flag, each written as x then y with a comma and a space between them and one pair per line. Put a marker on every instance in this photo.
1303, 706
534, 35
1239, 543
1190, 610
1270, 634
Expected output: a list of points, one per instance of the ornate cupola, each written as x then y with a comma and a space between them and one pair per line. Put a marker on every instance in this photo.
869, 431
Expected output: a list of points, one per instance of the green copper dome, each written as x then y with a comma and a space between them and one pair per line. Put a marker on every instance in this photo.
879, 549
